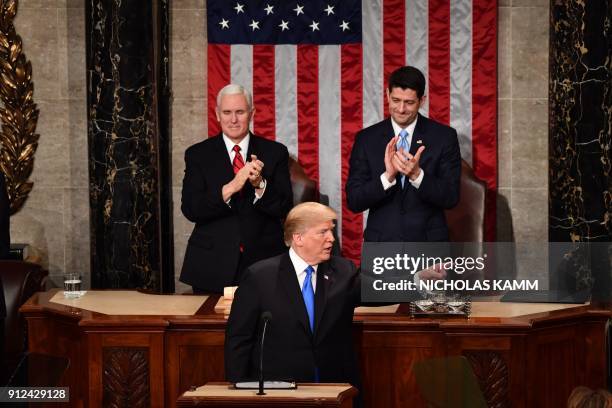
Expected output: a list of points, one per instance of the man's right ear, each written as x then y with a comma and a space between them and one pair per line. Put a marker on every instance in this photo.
297, 239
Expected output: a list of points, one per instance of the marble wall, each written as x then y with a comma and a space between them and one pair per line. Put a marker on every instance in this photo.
522, 125
523, 120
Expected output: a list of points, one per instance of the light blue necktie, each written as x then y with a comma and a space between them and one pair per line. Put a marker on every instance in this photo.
308, 294
402, 143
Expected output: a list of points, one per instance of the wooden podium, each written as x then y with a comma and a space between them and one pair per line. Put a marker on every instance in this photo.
134, 350
218, 394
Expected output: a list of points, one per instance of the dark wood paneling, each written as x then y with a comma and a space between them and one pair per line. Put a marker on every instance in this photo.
525, 361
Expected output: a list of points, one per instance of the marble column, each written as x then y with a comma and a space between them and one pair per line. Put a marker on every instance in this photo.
128, 135
580, 127
580, 138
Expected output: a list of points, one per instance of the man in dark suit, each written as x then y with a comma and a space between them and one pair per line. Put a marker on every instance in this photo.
5, 205
405, 169
5, 244
311, 296
237, 204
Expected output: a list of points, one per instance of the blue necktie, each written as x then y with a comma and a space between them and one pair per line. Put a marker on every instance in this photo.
403, 144
308, 294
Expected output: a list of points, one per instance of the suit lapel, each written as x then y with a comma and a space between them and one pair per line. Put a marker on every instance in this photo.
252, 148
324, 280
420, 133
292, 289
222, 159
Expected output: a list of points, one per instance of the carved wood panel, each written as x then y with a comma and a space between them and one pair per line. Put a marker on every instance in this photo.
125, 377
491, 371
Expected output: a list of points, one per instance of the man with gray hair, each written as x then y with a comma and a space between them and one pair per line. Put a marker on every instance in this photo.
236, 190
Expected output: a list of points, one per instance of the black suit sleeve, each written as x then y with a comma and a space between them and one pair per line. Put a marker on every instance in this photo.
5, 238
442, 189
241, 329
200, 202
363, 190
278, 196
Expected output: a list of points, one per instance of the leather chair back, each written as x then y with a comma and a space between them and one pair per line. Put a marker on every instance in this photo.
304, 189
20, 280
466, 220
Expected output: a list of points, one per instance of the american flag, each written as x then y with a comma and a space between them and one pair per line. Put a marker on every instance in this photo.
317, 71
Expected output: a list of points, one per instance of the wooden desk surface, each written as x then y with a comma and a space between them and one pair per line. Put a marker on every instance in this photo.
107, 306
222, 395
323, 391
130, 302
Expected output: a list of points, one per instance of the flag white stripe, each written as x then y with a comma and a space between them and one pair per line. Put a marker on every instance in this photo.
461, 74
373, 81
241, 72
285, 96
417, 41
330, 159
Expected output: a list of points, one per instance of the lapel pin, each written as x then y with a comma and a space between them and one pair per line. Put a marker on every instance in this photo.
326, 277
419, 141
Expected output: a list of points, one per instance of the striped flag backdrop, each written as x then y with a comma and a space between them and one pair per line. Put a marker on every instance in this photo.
318, 69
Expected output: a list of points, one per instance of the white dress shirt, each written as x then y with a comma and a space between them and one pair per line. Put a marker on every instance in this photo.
300, 266
396, 131
244, 148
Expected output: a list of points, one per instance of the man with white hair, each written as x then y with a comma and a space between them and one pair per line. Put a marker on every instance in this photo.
237, 191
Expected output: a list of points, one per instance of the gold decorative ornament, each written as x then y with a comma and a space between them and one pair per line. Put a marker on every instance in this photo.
18, 112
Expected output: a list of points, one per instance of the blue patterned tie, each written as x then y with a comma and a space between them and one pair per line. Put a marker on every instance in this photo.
308, 294
402, 143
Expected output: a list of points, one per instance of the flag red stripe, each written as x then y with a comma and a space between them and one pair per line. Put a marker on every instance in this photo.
351, 119
308, 109
484, 104
218, 76
394, 41
263, 90
439, 60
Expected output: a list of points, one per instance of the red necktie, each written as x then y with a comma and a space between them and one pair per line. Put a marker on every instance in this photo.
238, 162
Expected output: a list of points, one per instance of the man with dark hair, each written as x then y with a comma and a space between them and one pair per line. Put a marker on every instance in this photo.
405, 169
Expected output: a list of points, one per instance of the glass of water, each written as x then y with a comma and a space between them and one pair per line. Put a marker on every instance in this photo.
72, 285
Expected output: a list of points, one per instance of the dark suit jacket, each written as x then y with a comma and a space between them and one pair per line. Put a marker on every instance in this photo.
5, 238
5, 243
213, 257
408, 214
291, 351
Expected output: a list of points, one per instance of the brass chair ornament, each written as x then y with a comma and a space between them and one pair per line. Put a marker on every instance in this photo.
18, 112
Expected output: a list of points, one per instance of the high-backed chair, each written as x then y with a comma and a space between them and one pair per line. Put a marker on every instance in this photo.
20, 281
466, 220
304, 189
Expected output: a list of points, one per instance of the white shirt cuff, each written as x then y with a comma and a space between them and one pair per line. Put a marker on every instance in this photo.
386, 183
258, 196
417, 182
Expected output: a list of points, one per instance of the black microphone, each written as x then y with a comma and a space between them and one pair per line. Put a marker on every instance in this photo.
265, 317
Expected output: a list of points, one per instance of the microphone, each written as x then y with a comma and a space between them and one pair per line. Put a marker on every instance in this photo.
266, 317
